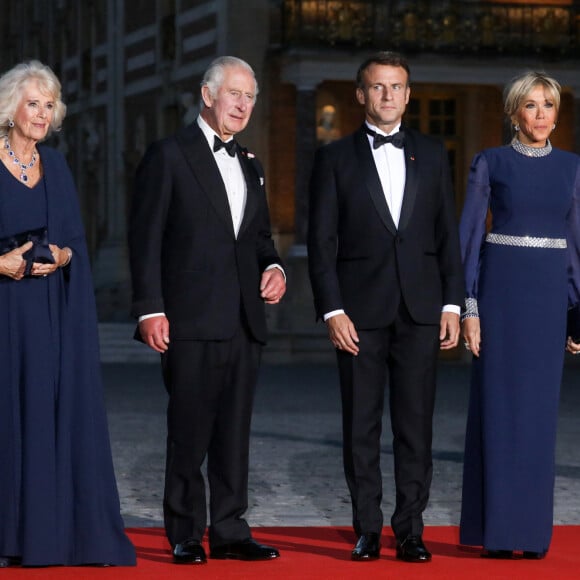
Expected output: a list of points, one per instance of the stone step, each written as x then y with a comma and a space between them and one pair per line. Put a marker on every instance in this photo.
117, 345
305, 345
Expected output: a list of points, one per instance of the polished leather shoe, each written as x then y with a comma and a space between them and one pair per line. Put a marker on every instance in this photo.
367, 548
497, 554
412, 549
247, 550
533, 555
189, 552
6, 561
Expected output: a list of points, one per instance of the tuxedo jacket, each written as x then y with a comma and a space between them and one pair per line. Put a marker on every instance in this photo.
185, 258
359, 260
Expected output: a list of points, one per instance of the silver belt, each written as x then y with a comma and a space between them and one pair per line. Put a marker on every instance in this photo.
527, 241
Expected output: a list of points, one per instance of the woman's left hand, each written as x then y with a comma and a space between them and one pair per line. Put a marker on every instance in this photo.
572, 347
61, 257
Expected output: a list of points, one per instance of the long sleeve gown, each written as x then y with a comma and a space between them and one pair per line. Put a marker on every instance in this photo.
522, 293
58, 497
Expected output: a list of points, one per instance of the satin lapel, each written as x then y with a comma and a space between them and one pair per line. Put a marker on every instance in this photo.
411, 180
202, 163
252, 194
372, 181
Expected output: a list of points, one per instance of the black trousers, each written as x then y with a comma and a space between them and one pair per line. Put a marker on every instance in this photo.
211, 386
404, 356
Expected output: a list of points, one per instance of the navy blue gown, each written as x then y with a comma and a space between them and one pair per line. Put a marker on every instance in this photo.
522, 294
58, 498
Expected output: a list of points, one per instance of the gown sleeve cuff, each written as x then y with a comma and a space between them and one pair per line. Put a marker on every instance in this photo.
471, 310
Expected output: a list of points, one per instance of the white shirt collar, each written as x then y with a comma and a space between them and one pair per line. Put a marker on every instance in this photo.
380, 132
208, 131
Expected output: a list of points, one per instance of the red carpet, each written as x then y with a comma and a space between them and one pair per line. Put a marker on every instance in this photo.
313, 553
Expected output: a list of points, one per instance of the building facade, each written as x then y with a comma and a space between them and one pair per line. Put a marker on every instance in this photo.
131, 69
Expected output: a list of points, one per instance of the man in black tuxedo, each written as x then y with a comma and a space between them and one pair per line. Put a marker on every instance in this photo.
203, 264
386, 274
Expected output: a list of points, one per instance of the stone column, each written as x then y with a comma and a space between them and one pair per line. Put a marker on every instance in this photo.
305, 148
577, 120
296, 317
110, 269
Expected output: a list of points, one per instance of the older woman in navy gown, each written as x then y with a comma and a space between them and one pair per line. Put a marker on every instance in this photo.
58, 497
521, 278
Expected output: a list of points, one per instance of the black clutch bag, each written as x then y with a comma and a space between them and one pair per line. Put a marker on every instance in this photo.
40, 251
573, 323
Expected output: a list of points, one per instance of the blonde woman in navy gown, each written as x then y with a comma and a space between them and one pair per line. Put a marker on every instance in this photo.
58, 497
521, 278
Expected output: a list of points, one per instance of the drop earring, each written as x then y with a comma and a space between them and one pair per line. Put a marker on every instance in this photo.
11, 123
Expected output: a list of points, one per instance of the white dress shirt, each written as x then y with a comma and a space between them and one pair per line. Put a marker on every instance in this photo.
390, 164
235, 184
232, 175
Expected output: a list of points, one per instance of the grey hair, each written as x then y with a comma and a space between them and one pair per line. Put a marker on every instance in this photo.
521, 86
12, 85
214, 75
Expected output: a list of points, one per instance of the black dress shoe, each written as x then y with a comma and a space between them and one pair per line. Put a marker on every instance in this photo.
412, 549
534, 555
498, 554
367, 548
247, 550
189, 552
6, 561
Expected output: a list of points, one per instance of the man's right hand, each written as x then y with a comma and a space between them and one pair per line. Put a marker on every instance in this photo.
155, 332
342, 333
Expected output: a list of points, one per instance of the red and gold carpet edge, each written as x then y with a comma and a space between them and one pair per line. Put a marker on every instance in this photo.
324, 552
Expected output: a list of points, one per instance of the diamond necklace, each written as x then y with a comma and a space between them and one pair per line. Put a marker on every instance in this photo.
24, 167
530, 151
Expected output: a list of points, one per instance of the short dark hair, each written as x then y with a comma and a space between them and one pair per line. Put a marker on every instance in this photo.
386, 58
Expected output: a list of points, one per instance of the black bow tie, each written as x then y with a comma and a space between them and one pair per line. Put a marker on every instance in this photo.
396, 140
230, 146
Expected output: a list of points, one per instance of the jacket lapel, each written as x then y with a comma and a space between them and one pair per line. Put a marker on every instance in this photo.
411, 180
372, 181
252, 178
202, 163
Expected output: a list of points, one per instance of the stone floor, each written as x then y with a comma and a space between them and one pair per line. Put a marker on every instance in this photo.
296, 473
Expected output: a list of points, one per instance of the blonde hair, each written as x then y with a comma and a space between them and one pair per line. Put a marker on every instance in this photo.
522, 85
12, 85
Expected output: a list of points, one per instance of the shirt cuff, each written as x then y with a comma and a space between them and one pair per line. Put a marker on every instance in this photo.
447, 308
146, 316
332, 313
278, 267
